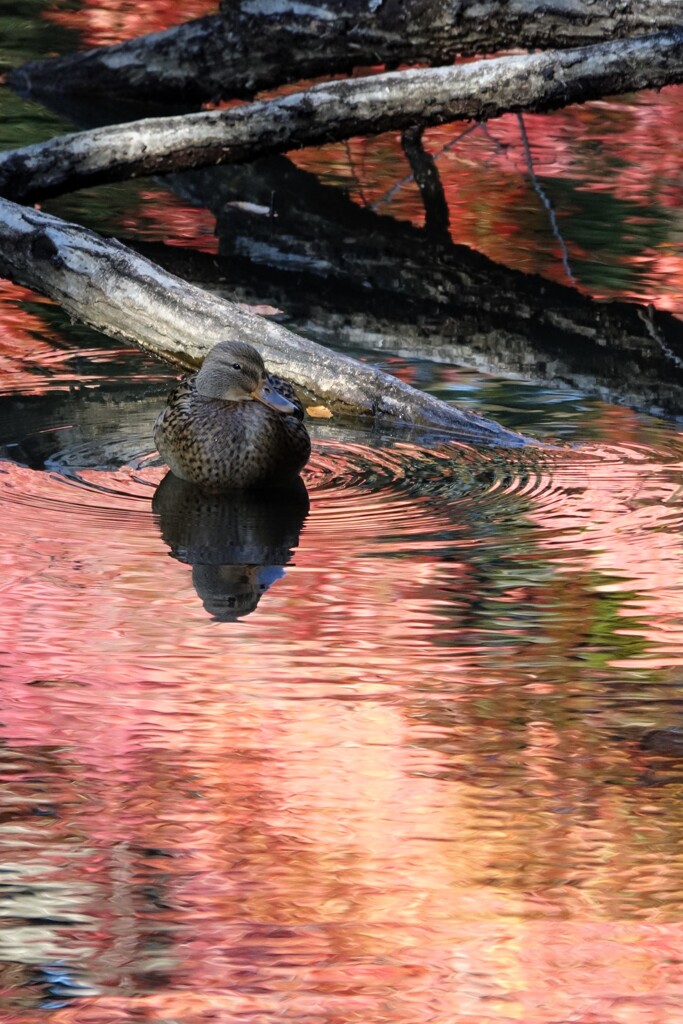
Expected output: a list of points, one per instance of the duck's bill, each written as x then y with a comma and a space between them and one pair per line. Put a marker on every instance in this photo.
273, 399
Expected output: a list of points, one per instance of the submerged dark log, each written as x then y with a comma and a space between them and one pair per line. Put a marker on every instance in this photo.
338, 110
113, 289
638, 368
258, 45
347, 275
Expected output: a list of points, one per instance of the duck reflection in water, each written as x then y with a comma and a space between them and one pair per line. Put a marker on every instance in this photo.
237, 542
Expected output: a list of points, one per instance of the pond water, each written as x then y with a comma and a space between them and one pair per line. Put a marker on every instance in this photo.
407, 748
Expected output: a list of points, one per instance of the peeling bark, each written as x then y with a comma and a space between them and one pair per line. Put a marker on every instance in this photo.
338, 110
113, 289
258, 44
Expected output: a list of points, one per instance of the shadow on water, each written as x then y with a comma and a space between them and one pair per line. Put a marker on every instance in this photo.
237, 543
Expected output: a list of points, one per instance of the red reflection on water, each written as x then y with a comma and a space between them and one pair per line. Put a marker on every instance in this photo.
633, 142
628, 149
104, 22
165, 218
412, 786
400, 790
624, 148
35, 359
25, 343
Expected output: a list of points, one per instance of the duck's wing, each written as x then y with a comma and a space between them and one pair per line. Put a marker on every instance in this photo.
284, 388
183, 388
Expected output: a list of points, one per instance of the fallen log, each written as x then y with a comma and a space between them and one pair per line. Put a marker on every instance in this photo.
260, 45
111, 288
339, 110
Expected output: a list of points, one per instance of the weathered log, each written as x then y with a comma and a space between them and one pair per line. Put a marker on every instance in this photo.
256, 44
338, 110
113, 289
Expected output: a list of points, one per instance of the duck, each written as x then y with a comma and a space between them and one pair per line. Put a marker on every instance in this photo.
232, 425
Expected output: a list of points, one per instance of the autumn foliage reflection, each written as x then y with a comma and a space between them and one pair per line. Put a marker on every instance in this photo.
609, 169
410, 786
434, 777
105, 22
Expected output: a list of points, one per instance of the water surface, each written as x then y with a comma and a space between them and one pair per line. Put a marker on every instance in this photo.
405, 749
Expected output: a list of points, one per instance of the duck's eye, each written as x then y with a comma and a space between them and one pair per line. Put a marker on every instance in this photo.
236, 366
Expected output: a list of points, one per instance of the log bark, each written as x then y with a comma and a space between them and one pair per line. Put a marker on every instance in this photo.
257, 44
111, 288
338, 110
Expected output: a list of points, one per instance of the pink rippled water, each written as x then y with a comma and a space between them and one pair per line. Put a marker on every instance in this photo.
433, 776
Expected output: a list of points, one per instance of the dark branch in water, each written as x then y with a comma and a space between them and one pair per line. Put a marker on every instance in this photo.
544, 199
429, 183
410, 178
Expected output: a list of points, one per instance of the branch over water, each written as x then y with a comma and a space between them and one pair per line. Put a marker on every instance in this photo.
337, 110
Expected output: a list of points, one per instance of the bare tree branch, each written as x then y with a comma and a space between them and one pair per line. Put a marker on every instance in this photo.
540, 192
337, 110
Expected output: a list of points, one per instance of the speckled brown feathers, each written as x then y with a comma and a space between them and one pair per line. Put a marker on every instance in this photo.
222, 445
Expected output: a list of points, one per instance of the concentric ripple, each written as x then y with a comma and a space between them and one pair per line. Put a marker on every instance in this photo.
556, 489
112, 476
89, 456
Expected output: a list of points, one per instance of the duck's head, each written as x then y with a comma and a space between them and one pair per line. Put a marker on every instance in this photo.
234, 372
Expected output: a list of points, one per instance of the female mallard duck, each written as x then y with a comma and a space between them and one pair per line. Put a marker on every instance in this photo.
232, 425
